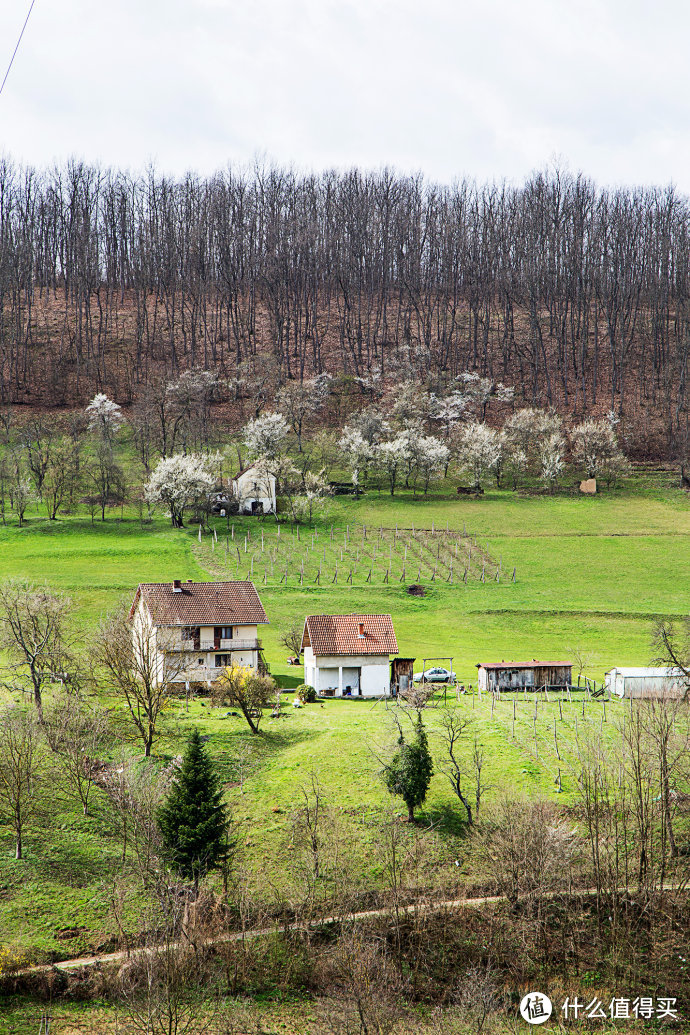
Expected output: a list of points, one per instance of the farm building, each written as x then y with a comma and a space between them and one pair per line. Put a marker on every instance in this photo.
524, 675
349, 655
255, 490
192, 630
402, 674
647, 683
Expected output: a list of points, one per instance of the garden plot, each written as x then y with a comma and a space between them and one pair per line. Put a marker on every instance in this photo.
353, 554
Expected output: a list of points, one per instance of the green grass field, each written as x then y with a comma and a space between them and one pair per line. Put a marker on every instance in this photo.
590, 574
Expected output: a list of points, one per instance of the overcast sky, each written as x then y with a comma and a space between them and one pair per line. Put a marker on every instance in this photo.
489, 89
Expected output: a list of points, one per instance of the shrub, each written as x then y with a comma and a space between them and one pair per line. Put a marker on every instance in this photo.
305, 693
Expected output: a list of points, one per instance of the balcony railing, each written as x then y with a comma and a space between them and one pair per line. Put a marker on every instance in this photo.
239, 645
195, 646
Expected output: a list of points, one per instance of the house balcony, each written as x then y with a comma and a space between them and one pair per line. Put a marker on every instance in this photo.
237, 644
195, 646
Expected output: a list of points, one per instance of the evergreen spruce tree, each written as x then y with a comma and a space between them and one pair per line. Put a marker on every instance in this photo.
410, 770
193, 820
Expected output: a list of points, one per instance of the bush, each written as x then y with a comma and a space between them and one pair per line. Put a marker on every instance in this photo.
305, 693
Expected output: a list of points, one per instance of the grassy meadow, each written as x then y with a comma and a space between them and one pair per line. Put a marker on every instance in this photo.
590, 576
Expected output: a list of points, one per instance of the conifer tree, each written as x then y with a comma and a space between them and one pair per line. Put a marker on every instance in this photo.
193, 820
410, 770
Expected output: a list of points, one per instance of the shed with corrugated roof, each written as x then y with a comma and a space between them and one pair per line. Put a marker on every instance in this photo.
501, 676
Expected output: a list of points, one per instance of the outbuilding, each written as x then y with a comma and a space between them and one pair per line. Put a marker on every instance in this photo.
349, 655
255, 490
524, 675
649, 683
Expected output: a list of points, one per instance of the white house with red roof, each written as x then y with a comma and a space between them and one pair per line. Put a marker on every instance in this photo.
195, 629
349, 655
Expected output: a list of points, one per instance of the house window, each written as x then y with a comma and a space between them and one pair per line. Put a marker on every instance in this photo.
226, 632
223, 660
188, 632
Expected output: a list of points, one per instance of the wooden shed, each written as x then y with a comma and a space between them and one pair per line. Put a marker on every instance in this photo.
524, 675
402, 672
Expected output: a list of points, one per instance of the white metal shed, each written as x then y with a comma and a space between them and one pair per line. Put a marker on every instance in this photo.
648, 683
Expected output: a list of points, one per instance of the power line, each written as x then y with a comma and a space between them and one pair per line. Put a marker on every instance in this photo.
14, 52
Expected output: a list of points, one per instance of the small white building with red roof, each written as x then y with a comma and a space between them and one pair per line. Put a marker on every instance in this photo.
349, 655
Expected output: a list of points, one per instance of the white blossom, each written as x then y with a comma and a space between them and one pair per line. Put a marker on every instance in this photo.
105, 416
595, 446
178, 482
264, 436
479, 450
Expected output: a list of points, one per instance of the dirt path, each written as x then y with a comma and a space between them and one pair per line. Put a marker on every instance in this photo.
421, 906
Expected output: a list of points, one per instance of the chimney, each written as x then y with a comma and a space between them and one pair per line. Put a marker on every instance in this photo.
177, 585
361, 630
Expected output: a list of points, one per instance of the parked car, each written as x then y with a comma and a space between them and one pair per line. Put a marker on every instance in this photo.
435, 675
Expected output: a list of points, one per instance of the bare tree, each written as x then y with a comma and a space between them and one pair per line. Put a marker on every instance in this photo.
454, 727
527, 849
76, 734
106, 477
32, 631
291, 638
137, 668
478, 996
20, 768
368, 996
159, 987
21, 490
671, 644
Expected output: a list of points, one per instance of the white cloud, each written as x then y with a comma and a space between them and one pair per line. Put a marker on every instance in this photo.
488, 90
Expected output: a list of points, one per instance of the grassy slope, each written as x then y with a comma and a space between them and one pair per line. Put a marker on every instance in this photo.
590, 572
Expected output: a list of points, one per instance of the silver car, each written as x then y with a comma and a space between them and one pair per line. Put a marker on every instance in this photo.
435, 675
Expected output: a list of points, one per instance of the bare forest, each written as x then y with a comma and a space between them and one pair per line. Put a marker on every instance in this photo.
577, 296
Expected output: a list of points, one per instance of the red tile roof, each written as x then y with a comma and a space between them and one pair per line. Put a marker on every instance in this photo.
201, 603
339, 634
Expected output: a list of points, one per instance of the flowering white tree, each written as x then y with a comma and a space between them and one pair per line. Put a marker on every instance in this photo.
449, 411
179, 482
525, 431
370, 423
431, 457
551, 458
478, 391
479, 450
595, 447
356, 452
391, 457
515, 463
411, 405
315, 492
264, 436
299, 400
104, 415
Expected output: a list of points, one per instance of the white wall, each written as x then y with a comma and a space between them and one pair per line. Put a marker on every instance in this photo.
252, 487
324, 672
